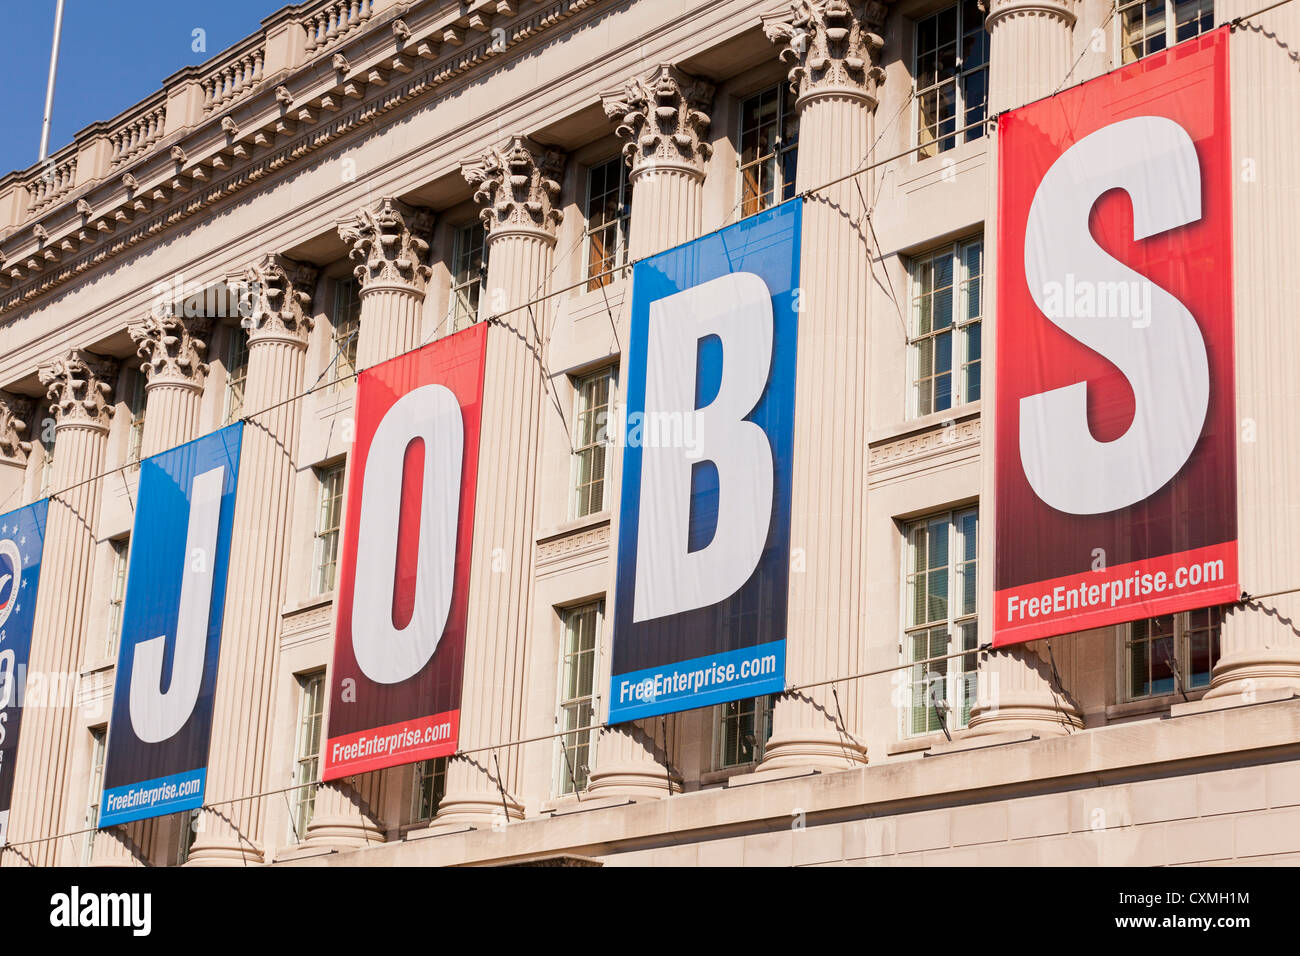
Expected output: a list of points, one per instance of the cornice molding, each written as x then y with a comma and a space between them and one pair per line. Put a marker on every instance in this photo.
271, 137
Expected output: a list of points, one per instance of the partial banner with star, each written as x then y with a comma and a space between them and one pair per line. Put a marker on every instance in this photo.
22, 537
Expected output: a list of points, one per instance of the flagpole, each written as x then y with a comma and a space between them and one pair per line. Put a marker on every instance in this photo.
49, 87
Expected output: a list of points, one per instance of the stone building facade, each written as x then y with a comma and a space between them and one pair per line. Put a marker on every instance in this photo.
387, 173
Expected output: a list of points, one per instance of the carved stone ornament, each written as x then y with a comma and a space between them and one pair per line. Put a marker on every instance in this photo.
664, 118
389, 244
172, 349
15, 415
78, 388
832, 44
275, 299
517, 186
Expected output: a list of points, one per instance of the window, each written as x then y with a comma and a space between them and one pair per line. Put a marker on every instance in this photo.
591, 441
939, 572
469, 268
1149, 26
951, 76
134, 393
117, 594
236, 371
306, 768
1171, 654
347, 325
97, 737
609, 208
742, 729
428, 785
576, 751
328, 520
945, 343
769, 148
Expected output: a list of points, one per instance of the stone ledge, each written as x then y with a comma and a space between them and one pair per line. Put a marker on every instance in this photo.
600, 803
302, 852
981, 742
911, 745
1229, 703
768, 776
556, 859
1196, 742
429, 833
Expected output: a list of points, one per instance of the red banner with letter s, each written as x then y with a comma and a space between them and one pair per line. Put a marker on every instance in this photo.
404, 568
1115, 422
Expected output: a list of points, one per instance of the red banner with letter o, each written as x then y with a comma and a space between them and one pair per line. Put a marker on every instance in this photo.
1115, 422
404, 566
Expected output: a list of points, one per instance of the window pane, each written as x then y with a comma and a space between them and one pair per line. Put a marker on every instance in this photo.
607, 211
329, 519
950, 71
938, 548
469, 265
744, 726
307, 751
576, 709
592, 396
971, 382
346, 325
236, 371
769, 132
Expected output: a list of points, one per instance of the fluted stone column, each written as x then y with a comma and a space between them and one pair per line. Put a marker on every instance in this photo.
833, 48
16, 415
518, 187
172, 349
1030, 50
1260, 640
1029, 57
389, 243
78, 387
280, 320
664, 119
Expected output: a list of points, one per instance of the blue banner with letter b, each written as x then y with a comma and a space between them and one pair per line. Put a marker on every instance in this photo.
704, 519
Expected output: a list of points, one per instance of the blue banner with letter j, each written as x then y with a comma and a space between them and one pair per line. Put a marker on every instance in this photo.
161, 721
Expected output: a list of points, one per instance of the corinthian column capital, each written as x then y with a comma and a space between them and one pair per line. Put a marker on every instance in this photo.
517, 186
389, 243
15, 416
833, 46
78, 387
172, 348
664, 118
276, 300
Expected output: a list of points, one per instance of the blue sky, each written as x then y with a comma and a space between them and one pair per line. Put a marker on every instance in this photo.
113, 53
